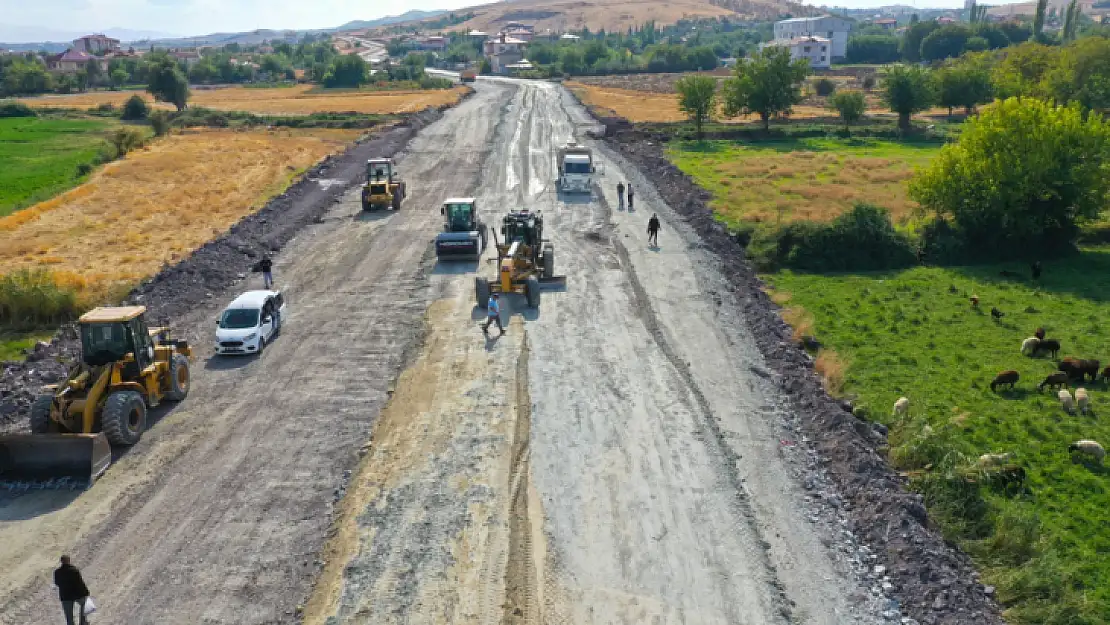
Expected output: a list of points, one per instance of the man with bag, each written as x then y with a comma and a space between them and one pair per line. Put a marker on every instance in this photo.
72, 590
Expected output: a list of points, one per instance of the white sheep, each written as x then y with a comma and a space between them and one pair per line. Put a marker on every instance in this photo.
1066, 401
1082, 400
1029, 346
994, 460
901, 406
1090, 448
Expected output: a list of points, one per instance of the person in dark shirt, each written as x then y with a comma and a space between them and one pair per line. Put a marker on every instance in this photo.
653, 230
630, 197
71, 590
266, 266
620, 195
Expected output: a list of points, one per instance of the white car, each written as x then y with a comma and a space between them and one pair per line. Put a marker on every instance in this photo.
249, 322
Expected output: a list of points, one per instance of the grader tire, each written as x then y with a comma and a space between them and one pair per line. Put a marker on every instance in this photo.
41, 422
532, 292
124, 418
481, 291
179, 378
548, 262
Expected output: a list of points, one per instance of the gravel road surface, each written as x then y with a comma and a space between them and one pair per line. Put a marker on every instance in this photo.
616, 457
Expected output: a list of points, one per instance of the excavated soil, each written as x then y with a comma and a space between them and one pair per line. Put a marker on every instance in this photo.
934, 582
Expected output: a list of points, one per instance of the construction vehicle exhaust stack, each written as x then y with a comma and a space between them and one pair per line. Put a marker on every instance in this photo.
464, 233
125, 369
526, 260
384, 188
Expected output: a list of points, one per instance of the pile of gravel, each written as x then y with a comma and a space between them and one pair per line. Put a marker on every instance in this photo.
218, 264
935, 582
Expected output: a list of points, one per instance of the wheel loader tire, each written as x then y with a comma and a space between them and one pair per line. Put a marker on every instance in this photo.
548, 262
124, 418
532, 292
179, 378
40, 415
397, 200
481, 291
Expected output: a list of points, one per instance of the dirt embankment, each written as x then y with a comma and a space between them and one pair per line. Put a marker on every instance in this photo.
935, 582
214, 266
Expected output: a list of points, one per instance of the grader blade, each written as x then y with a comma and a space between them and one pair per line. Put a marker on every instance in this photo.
42, 461
553, 282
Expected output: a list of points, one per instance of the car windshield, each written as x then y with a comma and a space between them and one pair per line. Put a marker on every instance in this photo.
577, 168
239, 318
458, 215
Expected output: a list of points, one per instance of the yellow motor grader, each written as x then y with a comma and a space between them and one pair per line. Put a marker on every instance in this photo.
125, 368
526, 260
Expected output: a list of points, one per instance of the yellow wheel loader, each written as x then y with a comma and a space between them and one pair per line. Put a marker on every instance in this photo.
525, 259
125, 369
384, 188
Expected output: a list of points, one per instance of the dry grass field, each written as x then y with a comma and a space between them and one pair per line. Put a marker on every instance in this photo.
566, 15
804, 179
650, 98
296, 100
157, 204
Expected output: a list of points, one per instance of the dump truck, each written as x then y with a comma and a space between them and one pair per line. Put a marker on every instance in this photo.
125, 368
576, 168
526, 260
468, 75
383, 188
464, 233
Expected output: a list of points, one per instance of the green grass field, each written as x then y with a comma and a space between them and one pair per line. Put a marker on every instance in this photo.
39, 157
12, 344
915, 334
803, 179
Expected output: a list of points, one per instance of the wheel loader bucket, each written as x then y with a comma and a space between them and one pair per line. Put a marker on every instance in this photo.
36, 461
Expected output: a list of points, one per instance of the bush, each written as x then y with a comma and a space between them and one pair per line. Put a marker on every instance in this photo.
84, 169
824, 87
33, 298
135, 109
860, 240
160, 122
122, 141
105, 107
431, 82
11, 108
868, 82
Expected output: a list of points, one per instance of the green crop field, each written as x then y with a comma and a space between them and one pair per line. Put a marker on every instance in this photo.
39, 157
915, 333
803, 179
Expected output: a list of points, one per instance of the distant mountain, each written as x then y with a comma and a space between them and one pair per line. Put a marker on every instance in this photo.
32, 35
407, 16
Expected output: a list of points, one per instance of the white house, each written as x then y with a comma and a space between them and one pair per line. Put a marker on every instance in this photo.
504, 51
813, 49
835, 29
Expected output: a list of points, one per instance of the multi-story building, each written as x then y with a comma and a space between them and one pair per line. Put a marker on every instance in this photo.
816, 50
95, 44
835, 29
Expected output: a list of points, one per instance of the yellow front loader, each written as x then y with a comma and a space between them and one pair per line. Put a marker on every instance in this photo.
125, 369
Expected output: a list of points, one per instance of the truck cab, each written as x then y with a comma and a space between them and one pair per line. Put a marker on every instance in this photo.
576, 168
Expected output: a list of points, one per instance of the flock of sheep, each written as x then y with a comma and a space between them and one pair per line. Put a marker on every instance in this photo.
1069, 369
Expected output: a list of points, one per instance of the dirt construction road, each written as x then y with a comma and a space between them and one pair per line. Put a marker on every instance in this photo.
614, 458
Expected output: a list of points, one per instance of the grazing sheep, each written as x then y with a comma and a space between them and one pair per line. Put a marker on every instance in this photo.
1039, 334
1052, 346
901, 406
974, 301
997, 314
994, 460
1006, 377
1089, 448
1058, 379
1079, 369
1029, 346
1066, 401
1106, 374
1082, 400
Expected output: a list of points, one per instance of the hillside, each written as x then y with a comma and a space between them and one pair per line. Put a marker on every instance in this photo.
565, 15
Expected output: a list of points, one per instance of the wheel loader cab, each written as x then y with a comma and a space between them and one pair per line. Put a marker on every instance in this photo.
103, 343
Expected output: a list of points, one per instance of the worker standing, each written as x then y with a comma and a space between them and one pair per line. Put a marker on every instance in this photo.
266, 266
71, 590
620, 195
653, 230
493, 313
630, 196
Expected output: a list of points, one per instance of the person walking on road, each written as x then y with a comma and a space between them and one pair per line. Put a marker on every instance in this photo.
71, 590
266, 266
620, 195
493, 313
629, 197
653, 231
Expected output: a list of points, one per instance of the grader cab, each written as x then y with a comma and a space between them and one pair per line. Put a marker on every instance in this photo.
125, 368
384, 188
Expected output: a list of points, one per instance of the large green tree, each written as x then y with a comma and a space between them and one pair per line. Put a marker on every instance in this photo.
945, 42
697, 97
348, 70
769, 83
964, 85
167, 83
1082, 74
850, 105
907, 89
915, 34
1022, 70
1022, 176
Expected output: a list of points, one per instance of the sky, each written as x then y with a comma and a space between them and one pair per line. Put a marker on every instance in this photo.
33, 19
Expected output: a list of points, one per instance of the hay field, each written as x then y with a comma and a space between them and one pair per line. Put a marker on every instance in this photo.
158, 204
297, 100
803, 179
